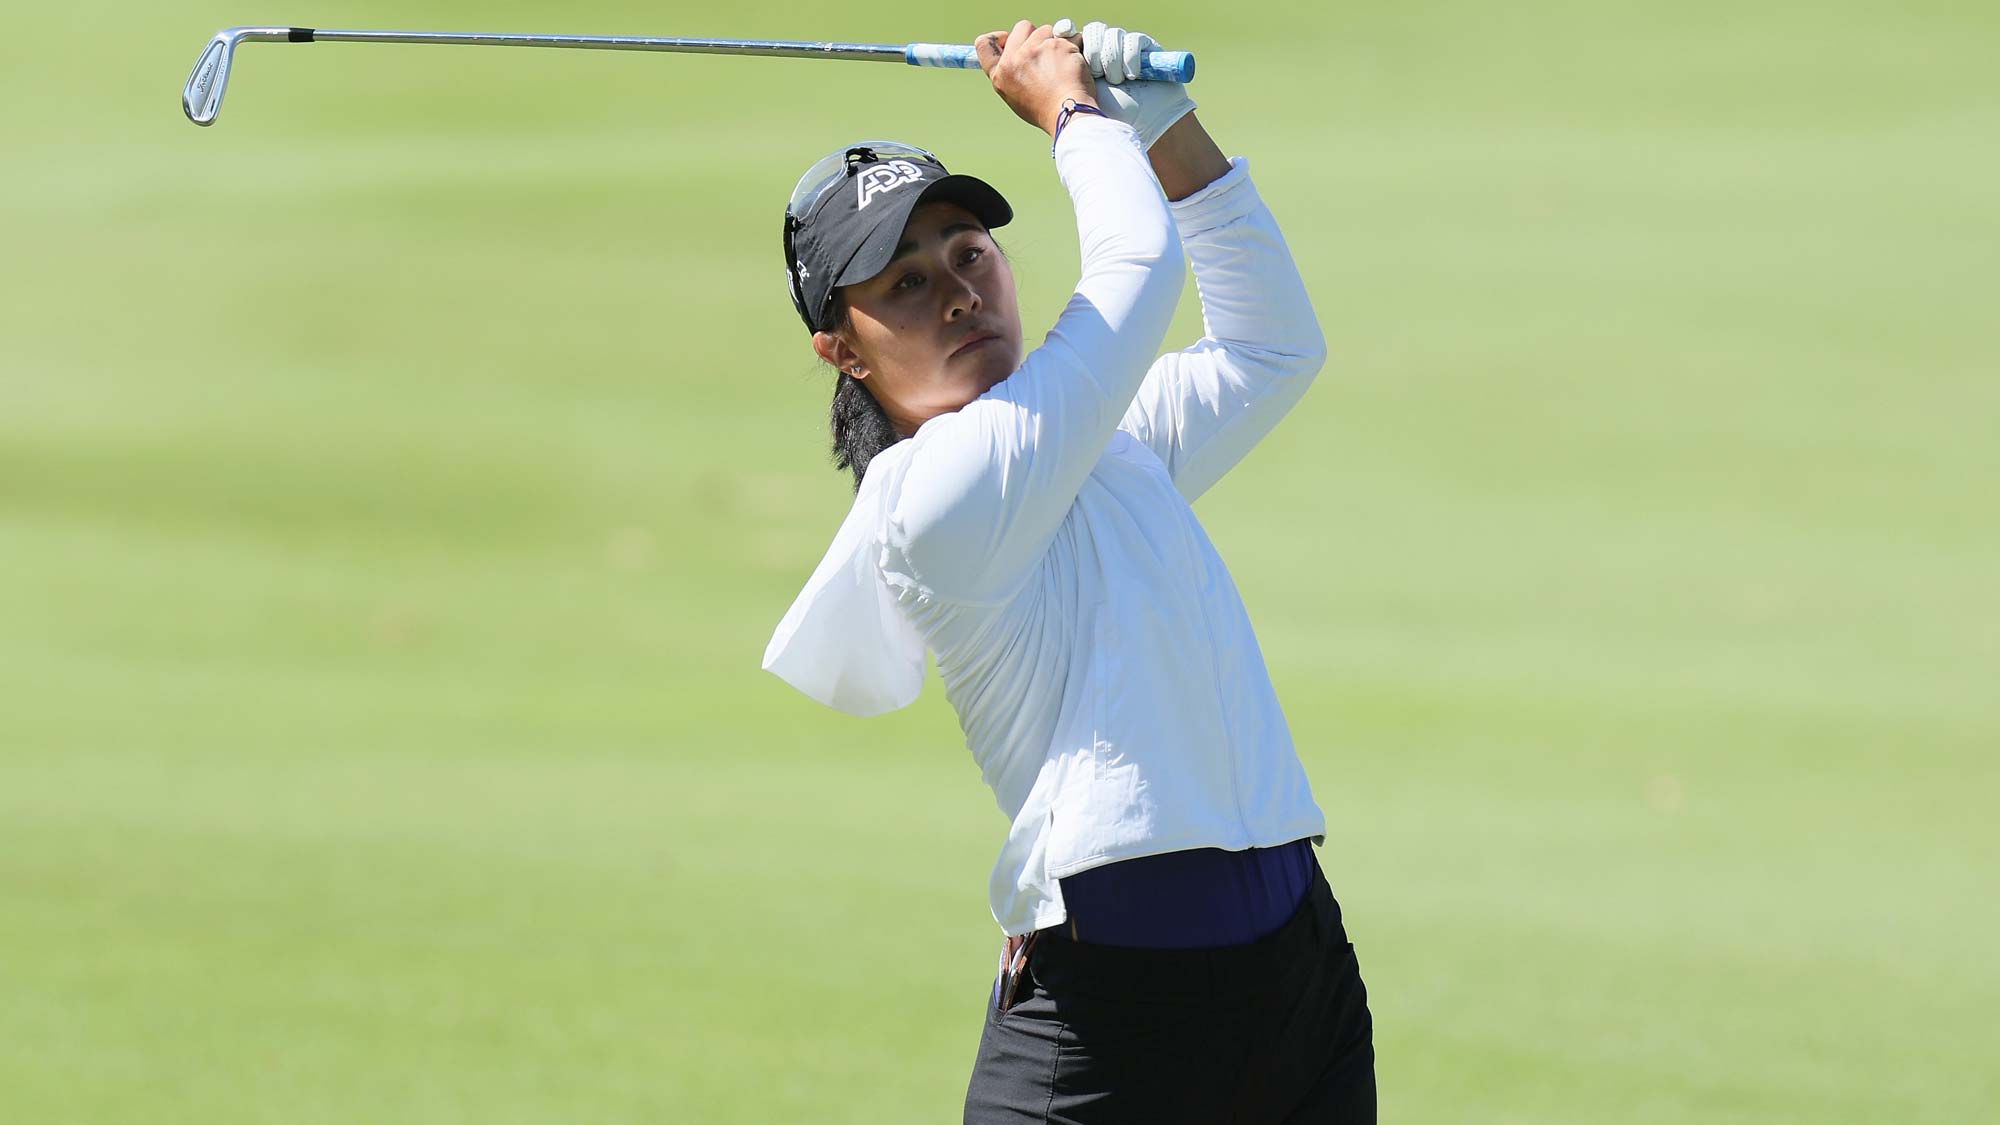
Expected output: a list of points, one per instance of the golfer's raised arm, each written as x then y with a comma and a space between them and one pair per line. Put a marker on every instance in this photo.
989, 484
1202, 408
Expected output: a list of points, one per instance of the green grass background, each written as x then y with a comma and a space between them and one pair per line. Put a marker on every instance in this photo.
399, 481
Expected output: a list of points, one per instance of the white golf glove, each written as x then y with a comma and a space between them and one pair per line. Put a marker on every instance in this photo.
1113, 54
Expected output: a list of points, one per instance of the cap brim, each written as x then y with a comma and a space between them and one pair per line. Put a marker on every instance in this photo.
969, 192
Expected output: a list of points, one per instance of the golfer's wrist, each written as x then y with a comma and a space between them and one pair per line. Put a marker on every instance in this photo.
1053, 119
1186, 159
1068, 112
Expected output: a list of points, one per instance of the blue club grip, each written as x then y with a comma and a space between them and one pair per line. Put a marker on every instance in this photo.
1156, 66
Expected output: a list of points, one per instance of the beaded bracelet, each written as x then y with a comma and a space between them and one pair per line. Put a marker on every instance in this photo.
1070, 107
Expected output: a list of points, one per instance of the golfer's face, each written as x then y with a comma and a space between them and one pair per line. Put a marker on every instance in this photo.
938, 326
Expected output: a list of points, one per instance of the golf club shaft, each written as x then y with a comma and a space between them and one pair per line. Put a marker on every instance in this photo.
866, 52
202, 97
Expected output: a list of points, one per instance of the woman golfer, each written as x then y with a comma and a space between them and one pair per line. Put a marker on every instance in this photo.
1172, 951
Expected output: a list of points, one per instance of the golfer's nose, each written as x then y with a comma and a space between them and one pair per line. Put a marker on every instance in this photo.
963, 298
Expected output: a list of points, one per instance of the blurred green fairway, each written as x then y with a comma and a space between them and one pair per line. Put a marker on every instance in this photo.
399, 481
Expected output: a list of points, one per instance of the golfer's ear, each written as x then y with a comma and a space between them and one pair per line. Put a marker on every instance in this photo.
834, 351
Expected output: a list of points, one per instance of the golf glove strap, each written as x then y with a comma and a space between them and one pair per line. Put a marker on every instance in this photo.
1113, 55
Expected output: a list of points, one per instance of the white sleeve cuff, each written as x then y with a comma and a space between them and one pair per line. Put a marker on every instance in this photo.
1089, 129
1229, 197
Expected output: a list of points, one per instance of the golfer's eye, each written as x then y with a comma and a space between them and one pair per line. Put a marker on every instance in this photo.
973, 254
909, 281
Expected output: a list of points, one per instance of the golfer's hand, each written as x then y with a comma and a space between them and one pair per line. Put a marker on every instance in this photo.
1034, 72
1113, 55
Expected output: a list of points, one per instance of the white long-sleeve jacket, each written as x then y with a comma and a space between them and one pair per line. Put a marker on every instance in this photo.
1039, 542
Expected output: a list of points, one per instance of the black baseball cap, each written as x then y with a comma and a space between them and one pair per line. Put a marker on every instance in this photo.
846, 216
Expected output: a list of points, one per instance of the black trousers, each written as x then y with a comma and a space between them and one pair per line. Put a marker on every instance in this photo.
1276, 1032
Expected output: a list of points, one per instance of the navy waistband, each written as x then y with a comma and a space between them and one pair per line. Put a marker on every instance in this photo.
1202, 898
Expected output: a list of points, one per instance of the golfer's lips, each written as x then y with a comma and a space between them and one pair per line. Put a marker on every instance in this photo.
975, 340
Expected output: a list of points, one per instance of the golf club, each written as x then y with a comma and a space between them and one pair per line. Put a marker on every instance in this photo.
202, 98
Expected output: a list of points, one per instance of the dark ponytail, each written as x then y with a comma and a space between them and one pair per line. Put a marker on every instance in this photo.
861, 428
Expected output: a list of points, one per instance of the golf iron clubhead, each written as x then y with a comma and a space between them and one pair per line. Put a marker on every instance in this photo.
201, 99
